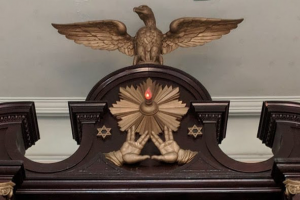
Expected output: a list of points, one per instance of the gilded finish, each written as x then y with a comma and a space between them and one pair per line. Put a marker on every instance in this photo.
103, 132
292, 187
149, 43
195, 131
170, 151
130, 150
164, 110
160, 112
7, 189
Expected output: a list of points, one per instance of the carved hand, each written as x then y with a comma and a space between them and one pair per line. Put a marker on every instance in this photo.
130, 150
170, 150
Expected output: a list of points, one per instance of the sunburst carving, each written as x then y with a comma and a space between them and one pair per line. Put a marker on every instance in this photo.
163, 109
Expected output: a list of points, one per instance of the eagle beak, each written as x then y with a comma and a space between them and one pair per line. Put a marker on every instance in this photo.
136, 9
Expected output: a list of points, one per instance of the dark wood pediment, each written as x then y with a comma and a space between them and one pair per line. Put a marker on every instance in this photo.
88, 174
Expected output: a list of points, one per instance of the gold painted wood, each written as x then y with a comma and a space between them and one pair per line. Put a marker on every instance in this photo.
103, 132
130, 151
170, 150
149, 109
149, 43
165, 109
7, 189
292, 187
195, 131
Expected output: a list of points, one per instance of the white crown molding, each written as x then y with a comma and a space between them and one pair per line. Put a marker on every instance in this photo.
251, 105
47, 106
58, 106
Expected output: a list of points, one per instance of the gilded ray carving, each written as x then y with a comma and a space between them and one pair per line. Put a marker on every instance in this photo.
164, 110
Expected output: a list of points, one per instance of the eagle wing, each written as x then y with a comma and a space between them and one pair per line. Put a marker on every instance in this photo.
191, 32
105, 35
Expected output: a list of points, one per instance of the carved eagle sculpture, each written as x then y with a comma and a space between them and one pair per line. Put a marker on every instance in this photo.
149, 43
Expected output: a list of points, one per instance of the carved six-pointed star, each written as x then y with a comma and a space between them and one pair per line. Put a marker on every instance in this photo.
103, 132
195, 131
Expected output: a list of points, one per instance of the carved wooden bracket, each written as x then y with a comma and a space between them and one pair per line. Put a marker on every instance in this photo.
84, 112
22, 113
213, 112
273, 112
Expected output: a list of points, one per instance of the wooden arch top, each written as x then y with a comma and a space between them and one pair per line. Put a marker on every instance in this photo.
131, 73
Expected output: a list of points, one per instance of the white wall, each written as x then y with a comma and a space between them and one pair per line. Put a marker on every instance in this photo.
57, 143
259, 60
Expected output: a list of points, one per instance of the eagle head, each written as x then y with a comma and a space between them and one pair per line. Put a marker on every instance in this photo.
144, 12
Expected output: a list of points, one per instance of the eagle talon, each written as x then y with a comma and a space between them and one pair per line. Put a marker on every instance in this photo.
161, 60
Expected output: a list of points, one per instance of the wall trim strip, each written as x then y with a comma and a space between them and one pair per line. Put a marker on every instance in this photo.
239, 105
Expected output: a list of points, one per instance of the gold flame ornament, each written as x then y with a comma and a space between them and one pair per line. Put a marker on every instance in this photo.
149, 107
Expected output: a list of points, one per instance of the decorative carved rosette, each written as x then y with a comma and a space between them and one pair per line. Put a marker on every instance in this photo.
7, 189
164, 110
292, 187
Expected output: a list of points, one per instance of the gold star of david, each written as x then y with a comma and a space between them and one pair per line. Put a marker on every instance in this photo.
103, 132
195, 131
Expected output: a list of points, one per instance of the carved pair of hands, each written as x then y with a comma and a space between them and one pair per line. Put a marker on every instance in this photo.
131, 149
